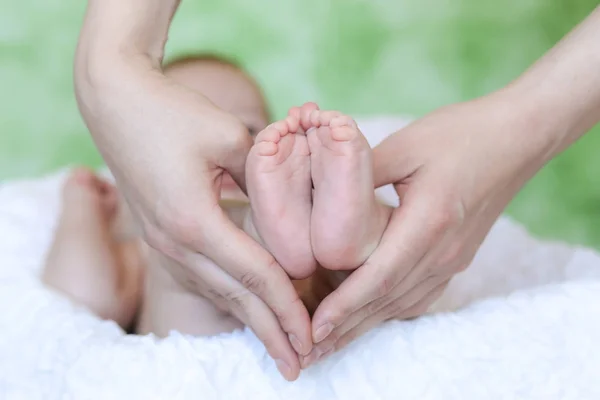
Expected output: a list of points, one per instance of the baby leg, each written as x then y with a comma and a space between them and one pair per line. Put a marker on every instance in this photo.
84, 262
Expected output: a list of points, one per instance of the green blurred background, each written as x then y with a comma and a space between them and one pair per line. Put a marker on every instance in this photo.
364, 57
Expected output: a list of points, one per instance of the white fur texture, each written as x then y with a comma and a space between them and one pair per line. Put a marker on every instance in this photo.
522, 322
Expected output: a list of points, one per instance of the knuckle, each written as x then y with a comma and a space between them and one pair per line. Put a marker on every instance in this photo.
453, 253
213, 294
285, 316
238, 301
185, 227
374, 306
445, 215
454, 260
433, 271
189, 283
253, 282
384, 287
160, 242
272, 266
442, 220
237, 136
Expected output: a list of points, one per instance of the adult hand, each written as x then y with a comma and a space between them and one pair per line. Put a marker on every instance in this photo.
168, 148
455, 171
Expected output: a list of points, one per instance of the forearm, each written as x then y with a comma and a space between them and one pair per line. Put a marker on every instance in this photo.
560, 94
117, 28
121, 44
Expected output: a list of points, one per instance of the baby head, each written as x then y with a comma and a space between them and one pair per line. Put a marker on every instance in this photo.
228, 87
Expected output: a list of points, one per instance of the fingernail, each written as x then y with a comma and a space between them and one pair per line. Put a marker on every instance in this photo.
323, 331
310, 130
284, 368
295, 343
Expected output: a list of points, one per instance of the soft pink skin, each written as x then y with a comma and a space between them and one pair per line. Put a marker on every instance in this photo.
278, 176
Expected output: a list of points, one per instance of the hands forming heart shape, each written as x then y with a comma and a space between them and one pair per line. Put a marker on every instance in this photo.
311, 188
311, 179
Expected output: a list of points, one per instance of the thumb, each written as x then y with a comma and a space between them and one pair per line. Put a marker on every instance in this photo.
391, 162
234, 158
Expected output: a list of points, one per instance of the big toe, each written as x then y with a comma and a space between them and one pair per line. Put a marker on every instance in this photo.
81, 181
84, 187
305, 113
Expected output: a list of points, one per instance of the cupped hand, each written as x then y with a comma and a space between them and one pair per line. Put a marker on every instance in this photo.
168, 148
454, 172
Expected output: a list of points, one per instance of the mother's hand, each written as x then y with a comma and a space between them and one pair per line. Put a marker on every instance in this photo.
168, 148
454, 171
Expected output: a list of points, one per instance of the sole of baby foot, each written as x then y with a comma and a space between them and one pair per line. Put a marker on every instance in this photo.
347, 221
279, 187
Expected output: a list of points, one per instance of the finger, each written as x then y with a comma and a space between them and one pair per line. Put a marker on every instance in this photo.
235, 162
404, 243
256, 269
198, 223
249, 309
439, 265
390, 165
405, 299
399, 300
392, 311
217, 237
421, 307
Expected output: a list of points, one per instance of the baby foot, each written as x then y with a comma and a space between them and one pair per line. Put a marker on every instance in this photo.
85, 262
279, 187
347, 221
90, 196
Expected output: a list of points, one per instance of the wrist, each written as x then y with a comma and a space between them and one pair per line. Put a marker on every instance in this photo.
550, 119
536, 124
120, 41
559, 95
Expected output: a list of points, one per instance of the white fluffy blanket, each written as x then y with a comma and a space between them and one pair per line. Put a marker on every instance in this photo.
522, 323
